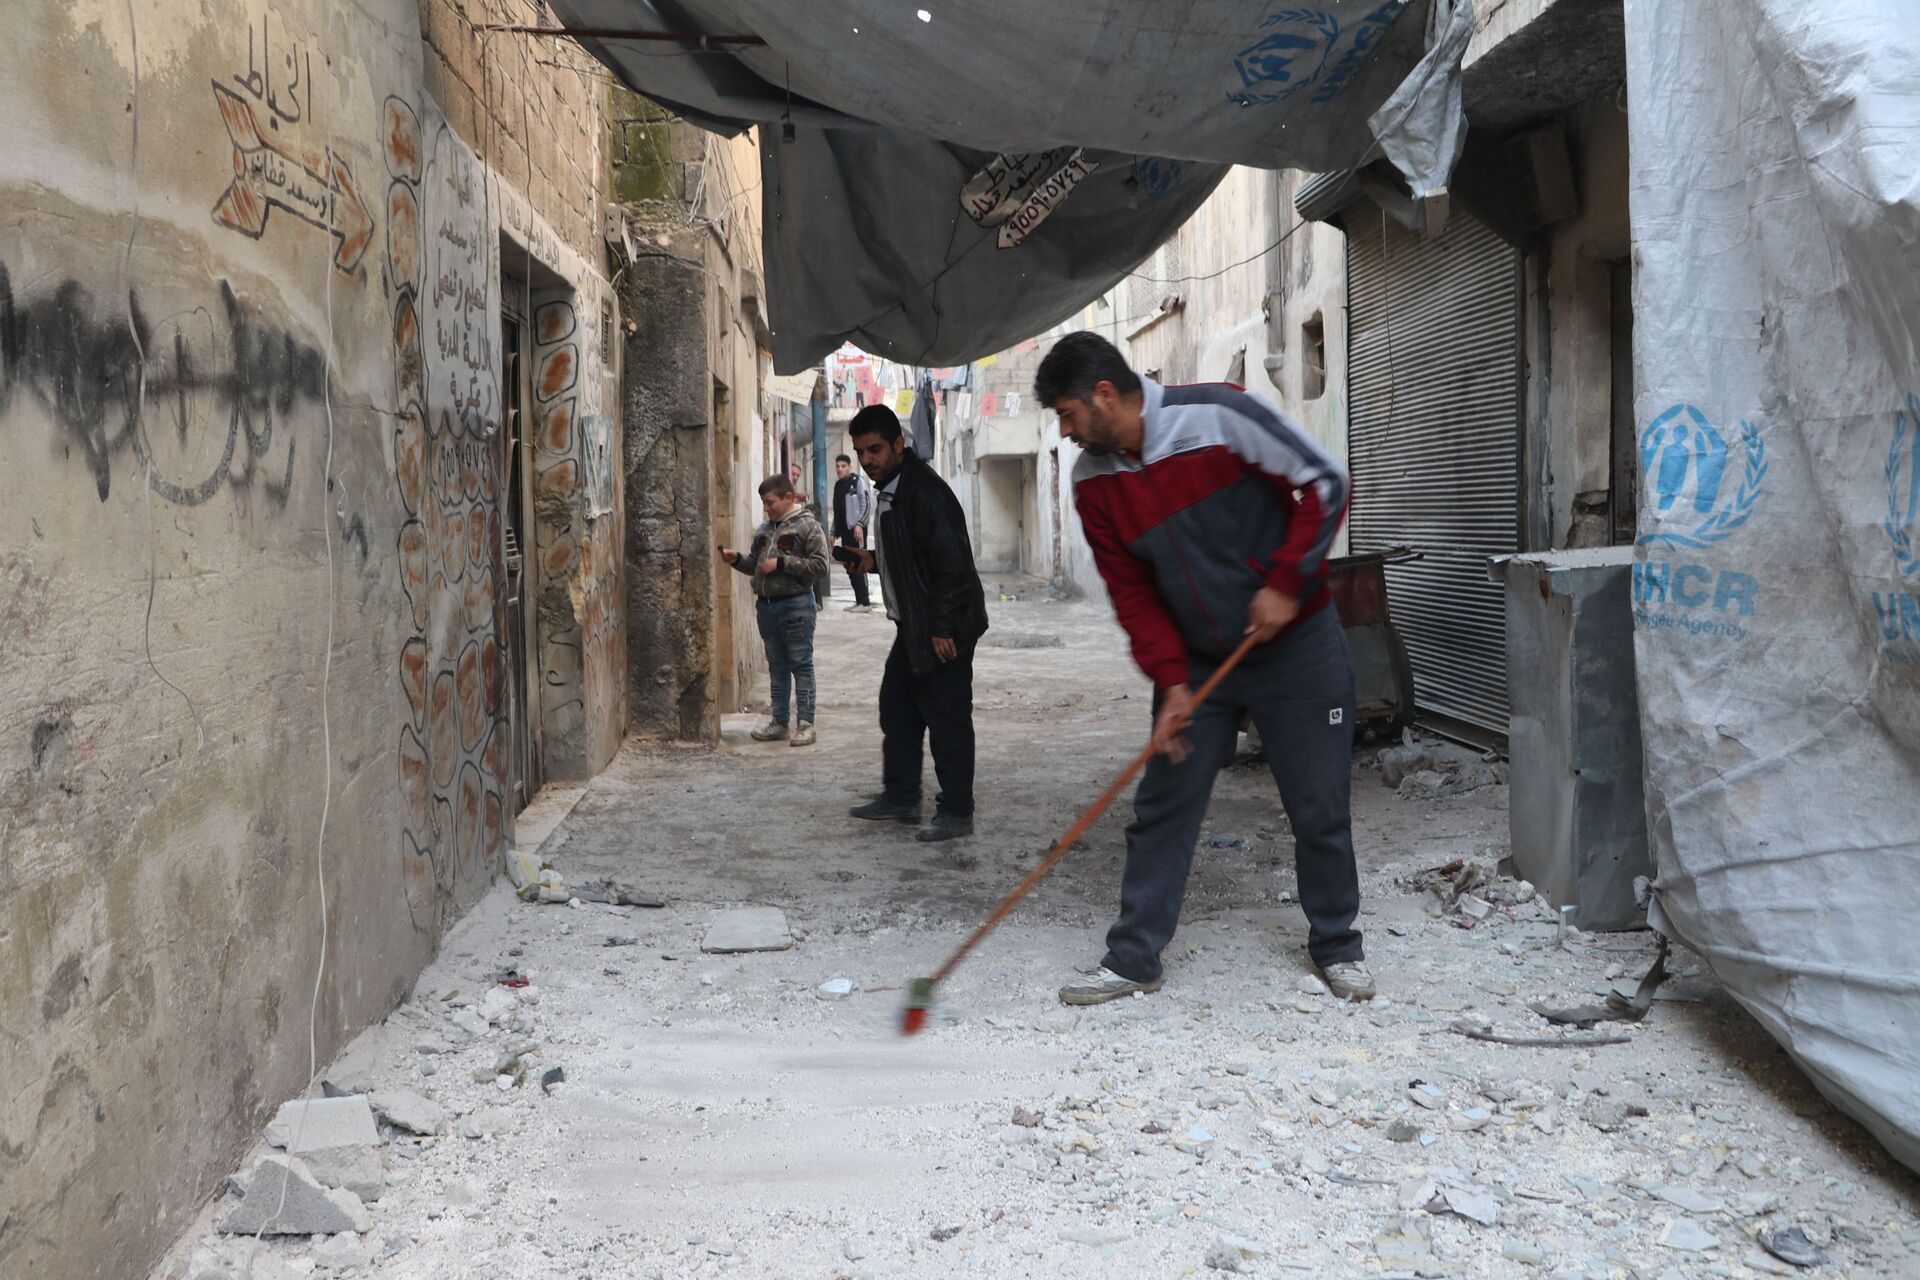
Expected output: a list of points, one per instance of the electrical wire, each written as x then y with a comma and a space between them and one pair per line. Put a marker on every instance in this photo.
1134, 275
140, 390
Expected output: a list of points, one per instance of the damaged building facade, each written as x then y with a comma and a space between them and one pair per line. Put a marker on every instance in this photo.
311, 363
701, 427
1470, 360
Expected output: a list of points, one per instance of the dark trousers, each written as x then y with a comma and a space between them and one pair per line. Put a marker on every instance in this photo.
855, 574
1299, 690
936, 706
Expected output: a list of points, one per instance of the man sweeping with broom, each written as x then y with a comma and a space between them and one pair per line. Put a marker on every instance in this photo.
1210, 516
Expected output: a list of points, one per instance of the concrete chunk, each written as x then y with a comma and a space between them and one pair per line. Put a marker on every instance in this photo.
343, 1252
405, 1109
355, 1169
321, 1124
748, 929
284, 1199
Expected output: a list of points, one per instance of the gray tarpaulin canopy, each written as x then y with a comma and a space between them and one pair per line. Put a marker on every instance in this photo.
962, 174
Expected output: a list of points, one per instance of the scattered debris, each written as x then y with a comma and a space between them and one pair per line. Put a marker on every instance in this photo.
1195, 1141
1473, 1031
485, 1122
355, 1169
282, 1198
943, 1234
1472, 1203
551, 1077
1608, 1115
1790, 1245
610, 893
343, 1252
748, 929
1617, 1008
404, 1109
1430, 770
1406, 1244
835, 989
621, 940
1687, 1236
1231, 1253
997, 639
319, 1124
1026, 1119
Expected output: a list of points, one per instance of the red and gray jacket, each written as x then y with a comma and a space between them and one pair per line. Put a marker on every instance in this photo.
1228, 495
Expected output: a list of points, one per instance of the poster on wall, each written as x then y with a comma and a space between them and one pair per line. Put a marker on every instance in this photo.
596, 464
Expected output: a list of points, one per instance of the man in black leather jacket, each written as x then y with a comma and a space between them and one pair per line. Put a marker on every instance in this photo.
933, 595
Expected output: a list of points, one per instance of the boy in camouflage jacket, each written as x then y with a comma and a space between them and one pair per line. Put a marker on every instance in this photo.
788, 556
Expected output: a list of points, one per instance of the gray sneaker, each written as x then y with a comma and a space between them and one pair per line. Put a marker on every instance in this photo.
771, 731
1102, 985
1349, 980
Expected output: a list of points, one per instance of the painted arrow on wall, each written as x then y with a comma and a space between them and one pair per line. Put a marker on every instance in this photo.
268, 174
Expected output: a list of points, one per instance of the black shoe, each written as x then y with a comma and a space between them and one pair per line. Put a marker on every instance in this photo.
885, 810
945, 826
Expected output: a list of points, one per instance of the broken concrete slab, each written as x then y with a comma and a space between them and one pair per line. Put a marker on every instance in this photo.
497, 1005
474, 1024
344, 1252
355, 1169
484, 1122
1688, 1236
1405, 1244
405, 1109
1473, 1204
284, 1199
321, 1124
748, 929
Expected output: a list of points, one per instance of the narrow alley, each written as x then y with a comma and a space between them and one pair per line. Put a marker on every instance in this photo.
450, 443
731, 1115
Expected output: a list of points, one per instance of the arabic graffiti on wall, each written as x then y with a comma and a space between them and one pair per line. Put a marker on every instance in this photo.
453, 744
270, 170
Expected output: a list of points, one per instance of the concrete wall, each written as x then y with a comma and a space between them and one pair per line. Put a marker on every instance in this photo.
700, 428
1581, 252
250, 385
1209, 306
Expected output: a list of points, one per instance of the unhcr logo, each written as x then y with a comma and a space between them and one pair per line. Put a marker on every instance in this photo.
1903, 486
1307, 49
1685, 469
1899, 611
1690, 477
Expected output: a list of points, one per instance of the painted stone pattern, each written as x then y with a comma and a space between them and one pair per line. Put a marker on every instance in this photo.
582, 648
447, 465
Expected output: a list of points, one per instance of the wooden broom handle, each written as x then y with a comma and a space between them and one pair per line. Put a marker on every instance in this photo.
1064, 844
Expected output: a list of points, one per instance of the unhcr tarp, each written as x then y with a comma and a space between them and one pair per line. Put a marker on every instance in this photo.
1776, 225
964, 173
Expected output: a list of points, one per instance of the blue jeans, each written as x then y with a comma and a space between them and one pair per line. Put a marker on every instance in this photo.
787, 628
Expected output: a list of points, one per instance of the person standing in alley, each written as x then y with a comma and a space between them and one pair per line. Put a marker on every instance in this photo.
788, 556
852, 509
1210, 515
933, 595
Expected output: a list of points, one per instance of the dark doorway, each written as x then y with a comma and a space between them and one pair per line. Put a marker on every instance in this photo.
521, 639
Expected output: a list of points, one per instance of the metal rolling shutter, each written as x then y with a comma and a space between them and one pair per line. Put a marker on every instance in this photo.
1434, 388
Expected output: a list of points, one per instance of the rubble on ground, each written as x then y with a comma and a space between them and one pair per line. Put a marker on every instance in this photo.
721, 1115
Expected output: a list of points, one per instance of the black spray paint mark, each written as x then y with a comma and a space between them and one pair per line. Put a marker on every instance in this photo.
83, 365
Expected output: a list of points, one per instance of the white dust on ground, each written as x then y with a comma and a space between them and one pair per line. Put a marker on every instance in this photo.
719, 1117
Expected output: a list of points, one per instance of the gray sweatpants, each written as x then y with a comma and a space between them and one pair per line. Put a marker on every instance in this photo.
1299, 690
